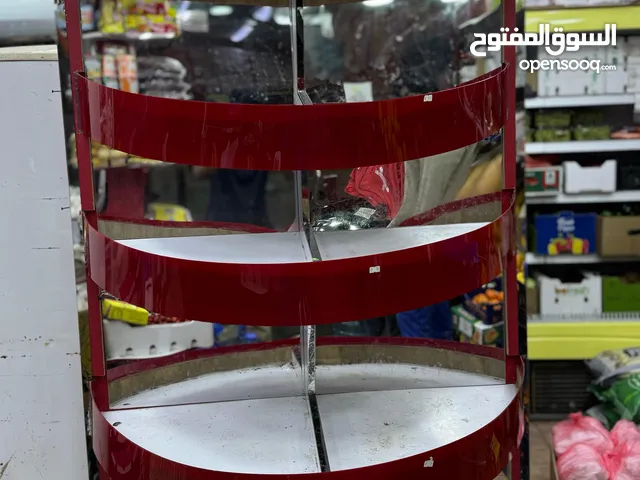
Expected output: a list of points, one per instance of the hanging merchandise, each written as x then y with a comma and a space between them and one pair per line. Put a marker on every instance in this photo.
142, 16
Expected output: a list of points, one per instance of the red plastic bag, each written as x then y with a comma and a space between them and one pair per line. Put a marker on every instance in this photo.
580, 429
582, 462
625, 431
623, 463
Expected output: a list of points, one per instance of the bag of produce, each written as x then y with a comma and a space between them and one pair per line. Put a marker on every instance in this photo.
605, 414
578, 429
581, 462
623, 463
624, 432
623, 395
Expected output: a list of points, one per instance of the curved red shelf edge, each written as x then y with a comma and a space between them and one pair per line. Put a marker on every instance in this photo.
294, 294
479, 456
293, 137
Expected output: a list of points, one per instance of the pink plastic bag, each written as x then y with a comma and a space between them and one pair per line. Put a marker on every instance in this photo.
623, 463
582, 462
625, 431
580, 429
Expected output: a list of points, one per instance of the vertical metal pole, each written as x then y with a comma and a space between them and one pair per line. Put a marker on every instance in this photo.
509, 182
83, 148
510, 282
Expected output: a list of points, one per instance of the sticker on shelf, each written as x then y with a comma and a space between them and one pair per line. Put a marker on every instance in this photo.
358, 91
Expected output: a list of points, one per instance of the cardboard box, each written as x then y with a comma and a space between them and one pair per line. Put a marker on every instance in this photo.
565, 233
543, 181
579, 179
618, 236
620, 294
568, 298
475, 331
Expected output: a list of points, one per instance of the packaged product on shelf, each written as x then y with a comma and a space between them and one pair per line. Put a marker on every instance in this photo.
533, 296
586, 117
543, 180
485, 303
474, 330
117, 310
628, 175
93, 65
621, 294
577, 297
127, 72
553, 119
109, 70
552, 135
589, 179
618, 235
602, 132
111, 18
565, 233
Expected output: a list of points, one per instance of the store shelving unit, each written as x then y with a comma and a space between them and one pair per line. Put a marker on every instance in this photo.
533, 259
580, 101
293, 407
574, 338
620, 196
591, 146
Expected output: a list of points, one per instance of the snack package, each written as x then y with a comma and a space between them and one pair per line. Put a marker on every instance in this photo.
611, 363
111, 19
578, 429
581, 462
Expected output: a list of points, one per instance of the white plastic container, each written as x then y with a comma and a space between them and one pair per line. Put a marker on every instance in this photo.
128, 342
579, 179
558, 298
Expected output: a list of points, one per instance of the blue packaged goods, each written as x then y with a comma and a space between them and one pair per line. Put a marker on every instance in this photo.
565, 233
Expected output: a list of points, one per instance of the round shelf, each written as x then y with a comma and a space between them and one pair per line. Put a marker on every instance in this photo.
380, 410
273, 279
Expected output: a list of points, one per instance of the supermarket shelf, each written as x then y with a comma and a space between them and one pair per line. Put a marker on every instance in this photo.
586, 146
129, 36
580, 338
579, 101
533, 259
621, 196
587, 19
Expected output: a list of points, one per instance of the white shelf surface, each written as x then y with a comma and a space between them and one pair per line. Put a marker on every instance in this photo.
533, 259
562, 198
266, 436
292, 247
347, 244
586, 146
369, 428
399, 417
286, 247
142, 36
580, 101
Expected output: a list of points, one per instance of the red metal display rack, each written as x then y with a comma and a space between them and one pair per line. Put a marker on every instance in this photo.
340, 407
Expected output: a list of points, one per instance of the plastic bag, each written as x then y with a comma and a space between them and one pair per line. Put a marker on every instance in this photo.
623, 395
625, 431
578, 429
623, 463
582, 462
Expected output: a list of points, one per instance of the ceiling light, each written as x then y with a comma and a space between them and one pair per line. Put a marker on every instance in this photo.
377, 3
220, 10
